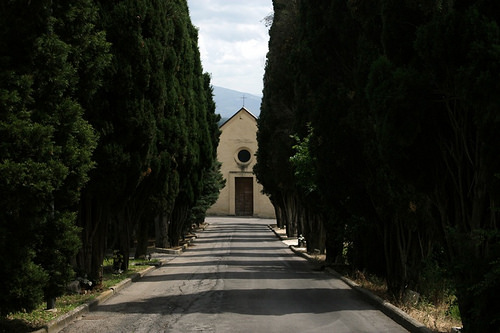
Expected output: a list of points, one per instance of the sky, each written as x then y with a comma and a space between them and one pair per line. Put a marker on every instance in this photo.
232, 38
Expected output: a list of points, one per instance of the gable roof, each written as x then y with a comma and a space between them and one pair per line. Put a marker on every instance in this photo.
243, 109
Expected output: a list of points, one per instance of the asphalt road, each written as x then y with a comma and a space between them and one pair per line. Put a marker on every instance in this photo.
237, 277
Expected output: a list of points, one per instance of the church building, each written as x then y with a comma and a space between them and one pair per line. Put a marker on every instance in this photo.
242, 195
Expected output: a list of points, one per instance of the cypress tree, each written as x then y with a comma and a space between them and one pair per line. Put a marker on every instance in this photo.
440, 135
198, 138
151, 120
276, 122
401, 99
212, 180
46, 152
326, 87
127, 115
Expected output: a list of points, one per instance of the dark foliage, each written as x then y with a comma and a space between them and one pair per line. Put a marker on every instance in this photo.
45, 85
402, 100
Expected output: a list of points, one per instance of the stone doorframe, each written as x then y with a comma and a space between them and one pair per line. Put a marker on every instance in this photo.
231, 185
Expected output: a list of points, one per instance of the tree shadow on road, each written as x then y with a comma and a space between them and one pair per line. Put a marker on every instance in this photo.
260, 302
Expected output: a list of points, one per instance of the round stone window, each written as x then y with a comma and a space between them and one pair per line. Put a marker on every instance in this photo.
244, 156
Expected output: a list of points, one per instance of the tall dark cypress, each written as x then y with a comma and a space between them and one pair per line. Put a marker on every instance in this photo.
440, 134
151, 120
123, 114
197, 135
46, 53
277, 118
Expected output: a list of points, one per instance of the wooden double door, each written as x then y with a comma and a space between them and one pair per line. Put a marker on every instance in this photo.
244, 196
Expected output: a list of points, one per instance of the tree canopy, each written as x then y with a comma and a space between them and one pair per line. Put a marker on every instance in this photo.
46, 143
402, 150
108, 126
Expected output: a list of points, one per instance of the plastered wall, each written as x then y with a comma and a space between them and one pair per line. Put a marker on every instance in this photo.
237, 134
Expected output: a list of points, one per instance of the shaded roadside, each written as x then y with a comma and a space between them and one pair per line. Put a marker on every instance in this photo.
386, 307
163, 255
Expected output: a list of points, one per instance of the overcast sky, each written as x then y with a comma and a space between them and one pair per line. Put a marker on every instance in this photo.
232, 38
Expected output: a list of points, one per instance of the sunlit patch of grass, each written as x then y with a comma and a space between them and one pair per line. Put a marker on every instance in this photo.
371, 282
29, 321
437, 317
111, 278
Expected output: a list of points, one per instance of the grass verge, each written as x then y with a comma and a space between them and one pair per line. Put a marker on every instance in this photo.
439, 316
23, 322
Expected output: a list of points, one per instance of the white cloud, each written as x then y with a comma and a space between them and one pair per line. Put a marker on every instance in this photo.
233, 41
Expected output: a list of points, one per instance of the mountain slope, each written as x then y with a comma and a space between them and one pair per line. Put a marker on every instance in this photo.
228, 102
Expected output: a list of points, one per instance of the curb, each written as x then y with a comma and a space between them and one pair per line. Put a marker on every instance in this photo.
277, 235
180, 250
62, 321
393, 312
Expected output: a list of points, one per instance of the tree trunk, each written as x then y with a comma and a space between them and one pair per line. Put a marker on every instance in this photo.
142, 235
98, 252
291, 214
278, 212
124, 238
469, 223
93, 238
51, 303
334, 239
395, 258
177, 222
161, 231
314, 231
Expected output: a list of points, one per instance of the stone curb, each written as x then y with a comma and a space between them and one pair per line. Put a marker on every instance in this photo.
393, 312
62, 321
180, 250
277, 234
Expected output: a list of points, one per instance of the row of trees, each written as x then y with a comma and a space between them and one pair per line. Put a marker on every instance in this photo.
109, 136
379, 140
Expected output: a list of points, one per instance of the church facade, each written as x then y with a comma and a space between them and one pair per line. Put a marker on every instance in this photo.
242, 195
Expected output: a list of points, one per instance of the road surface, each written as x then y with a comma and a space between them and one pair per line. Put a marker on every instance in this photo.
237, 277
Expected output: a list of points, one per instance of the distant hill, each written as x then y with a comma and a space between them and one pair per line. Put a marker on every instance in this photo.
228, 102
